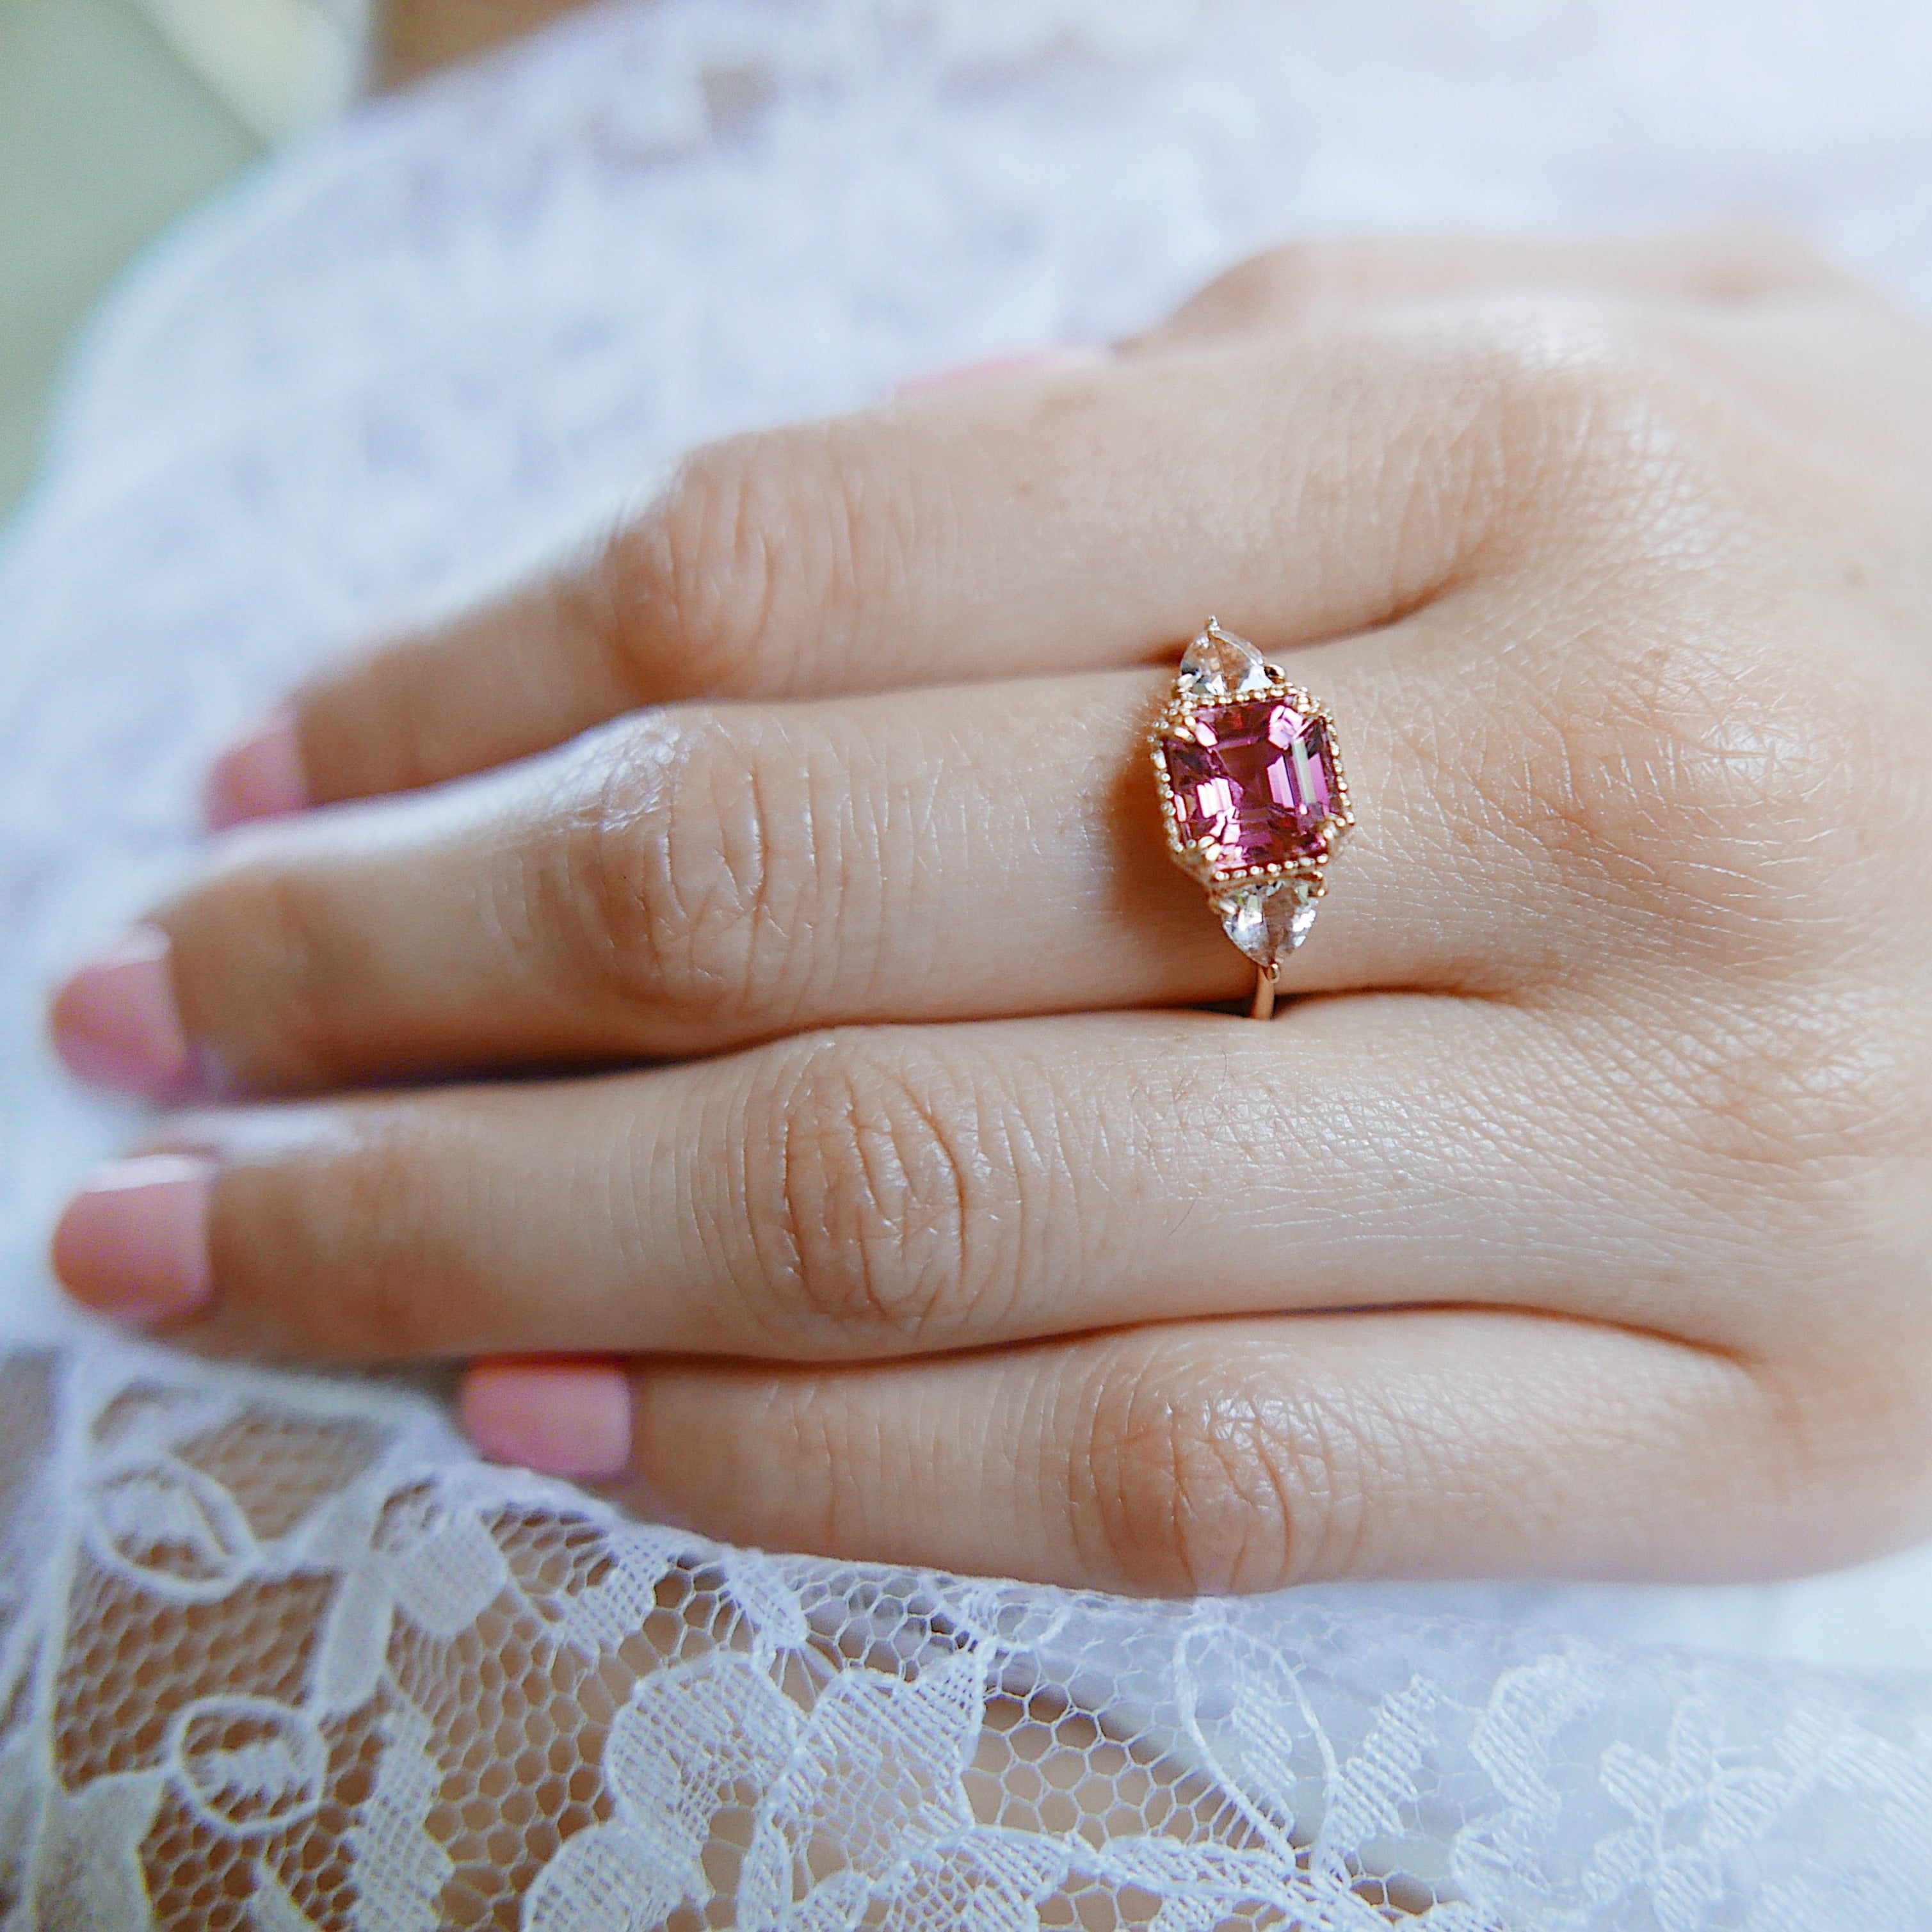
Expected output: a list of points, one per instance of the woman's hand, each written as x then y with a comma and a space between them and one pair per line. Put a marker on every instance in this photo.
1577, 1216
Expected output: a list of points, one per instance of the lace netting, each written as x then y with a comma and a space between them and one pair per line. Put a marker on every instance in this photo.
281, 1656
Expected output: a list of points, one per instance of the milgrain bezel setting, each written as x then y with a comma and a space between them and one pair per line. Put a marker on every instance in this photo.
1204, 683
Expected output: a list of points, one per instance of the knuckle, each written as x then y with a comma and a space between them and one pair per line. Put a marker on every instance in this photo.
1688, 773
1542, 438
1688, 796
661, 883
1744, 259
870, 1196
1299, 282
1335, 273
1199, 1484
1587, 413
1811, 1126
1272, 288
725, 579
1602, 429
1845, 1434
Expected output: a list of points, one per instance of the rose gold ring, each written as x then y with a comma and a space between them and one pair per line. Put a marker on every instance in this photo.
1252, 796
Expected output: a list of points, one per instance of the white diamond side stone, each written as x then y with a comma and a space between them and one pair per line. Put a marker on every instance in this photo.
1219, 666
1268, 922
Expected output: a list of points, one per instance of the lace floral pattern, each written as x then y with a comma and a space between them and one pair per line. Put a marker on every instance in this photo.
278, 1653
279, 1656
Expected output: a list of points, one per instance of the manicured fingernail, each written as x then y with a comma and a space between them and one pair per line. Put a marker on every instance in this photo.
560, 1418
259, 778
1031, 362
115, 1024
134, 1242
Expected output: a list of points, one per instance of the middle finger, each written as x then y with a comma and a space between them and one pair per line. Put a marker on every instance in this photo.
898, 1191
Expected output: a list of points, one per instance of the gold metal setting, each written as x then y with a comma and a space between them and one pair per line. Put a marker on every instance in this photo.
1225, 885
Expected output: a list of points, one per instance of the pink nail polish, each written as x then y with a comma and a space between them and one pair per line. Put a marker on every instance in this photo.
1030, 362
261, 777
115, 1024
560, 1418
134, 1242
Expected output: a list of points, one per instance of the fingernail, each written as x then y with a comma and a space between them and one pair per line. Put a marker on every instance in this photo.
259, 778
561, 1419
134, 1242
115, 1024
1030, 362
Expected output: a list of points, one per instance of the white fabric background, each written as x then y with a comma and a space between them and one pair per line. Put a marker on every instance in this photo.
412, 356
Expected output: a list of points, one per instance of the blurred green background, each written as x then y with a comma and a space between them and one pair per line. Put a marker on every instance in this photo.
106, 135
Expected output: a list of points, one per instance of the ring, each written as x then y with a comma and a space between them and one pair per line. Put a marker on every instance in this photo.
1252, 796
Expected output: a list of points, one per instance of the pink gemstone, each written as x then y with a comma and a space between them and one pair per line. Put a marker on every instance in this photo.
1255, 779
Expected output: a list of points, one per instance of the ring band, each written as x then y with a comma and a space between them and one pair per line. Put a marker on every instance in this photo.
1252, 796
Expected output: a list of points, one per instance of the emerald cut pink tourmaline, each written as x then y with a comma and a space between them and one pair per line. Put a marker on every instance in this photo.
1252, 781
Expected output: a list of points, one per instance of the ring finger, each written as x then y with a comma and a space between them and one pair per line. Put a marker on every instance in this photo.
701, 877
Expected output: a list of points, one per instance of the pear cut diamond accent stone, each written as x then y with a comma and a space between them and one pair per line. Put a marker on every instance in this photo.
1219, 666
1268, 922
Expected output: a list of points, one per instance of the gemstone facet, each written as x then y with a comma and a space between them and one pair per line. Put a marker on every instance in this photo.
1251, 790
1253, 783
1268, 922
1219, 665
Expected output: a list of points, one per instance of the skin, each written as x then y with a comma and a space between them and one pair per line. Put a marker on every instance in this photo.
795, 851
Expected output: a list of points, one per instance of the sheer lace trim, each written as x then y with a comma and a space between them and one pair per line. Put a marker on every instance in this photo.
281, 1656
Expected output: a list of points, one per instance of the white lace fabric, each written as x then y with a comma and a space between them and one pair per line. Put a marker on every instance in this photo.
278, 1653
288, 1660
